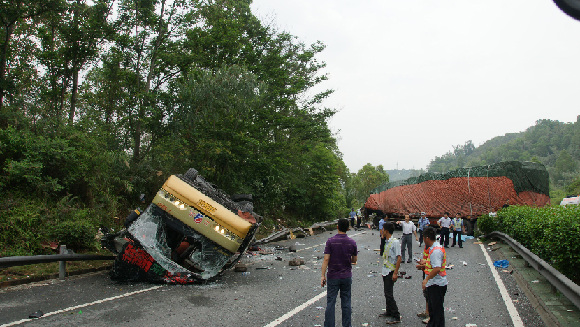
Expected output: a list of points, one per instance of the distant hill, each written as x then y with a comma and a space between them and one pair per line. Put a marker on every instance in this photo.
552, 143
402, 174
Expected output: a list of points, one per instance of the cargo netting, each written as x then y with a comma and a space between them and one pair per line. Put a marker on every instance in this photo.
468, 191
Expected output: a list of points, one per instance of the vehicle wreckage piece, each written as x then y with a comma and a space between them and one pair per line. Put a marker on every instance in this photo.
191, 232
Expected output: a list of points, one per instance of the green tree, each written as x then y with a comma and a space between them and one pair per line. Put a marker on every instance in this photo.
365, 180
144, 48
83, 27
12, 15
574, 187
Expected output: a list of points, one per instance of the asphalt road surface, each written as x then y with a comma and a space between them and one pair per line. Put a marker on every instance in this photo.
272, 293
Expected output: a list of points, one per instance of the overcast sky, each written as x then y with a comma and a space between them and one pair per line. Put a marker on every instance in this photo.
412, 78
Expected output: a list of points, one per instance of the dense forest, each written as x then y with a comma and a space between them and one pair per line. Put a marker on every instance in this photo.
102, 100
552, 143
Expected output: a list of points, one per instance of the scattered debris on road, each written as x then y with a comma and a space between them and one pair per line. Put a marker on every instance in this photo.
501, 263
36, 315
296, 262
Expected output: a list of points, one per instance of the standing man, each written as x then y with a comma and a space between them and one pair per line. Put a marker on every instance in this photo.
381, 224
444, 222
358, 218
422, 224
435, 282
352, 217
458, 229
340, 254
391, 264
406, 241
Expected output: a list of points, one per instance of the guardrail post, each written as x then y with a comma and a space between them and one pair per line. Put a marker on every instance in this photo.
62, 264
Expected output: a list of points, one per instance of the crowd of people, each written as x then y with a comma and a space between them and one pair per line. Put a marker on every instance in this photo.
341, 253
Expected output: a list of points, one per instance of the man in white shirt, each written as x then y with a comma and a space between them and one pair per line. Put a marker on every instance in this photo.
444, 222
406, 241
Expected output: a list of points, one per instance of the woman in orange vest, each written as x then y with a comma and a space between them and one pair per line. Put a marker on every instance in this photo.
435, 282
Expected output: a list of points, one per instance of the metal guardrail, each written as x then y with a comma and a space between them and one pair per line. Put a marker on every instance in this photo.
65, 256
33, 259
557, 279
62, 258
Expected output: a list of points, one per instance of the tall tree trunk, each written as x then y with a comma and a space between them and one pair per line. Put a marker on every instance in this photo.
75, 73
73, 97
145, 103
3, 58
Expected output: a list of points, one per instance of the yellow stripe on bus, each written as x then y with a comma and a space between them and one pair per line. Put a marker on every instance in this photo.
207, 206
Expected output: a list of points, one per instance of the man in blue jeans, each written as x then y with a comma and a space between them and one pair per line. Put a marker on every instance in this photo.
340, 254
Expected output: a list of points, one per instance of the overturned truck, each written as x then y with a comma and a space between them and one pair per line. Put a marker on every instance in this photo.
469, 191
191, 232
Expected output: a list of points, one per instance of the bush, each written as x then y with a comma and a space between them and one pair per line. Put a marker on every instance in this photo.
20, 227
550, 232
76, 235
26, 223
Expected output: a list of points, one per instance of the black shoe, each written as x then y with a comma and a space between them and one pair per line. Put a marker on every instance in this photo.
453, 245
446, 246
461, 247
409, 261
393, 320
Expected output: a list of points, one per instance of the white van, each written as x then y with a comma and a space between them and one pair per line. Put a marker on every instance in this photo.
570, 200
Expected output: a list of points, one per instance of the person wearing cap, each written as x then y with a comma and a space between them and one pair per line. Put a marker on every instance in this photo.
421, 225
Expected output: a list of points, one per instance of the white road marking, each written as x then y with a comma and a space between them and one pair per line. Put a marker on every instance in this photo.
516, 320
296, 310
14, 323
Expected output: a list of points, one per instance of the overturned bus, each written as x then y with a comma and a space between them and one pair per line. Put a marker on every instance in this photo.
191, 232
